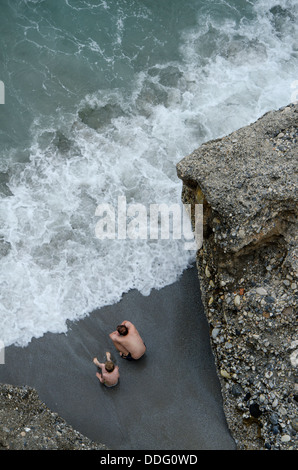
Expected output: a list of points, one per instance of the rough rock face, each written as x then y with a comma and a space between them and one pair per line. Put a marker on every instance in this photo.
27, 424
247, 183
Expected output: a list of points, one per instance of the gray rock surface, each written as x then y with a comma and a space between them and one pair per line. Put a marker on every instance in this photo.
27, 424
247, 183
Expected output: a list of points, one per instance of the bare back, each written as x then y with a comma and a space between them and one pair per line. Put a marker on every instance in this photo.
110, 378
132, 342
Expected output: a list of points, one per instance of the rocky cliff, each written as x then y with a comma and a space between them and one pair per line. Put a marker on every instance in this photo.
27, 424
247, 183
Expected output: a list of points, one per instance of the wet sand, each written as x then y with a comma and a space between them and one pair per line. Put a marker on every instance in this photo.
170, 399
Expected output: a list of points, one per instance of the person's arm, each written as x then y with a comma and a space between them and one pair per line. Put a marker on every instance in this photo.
108, 354
116, 337
98, 364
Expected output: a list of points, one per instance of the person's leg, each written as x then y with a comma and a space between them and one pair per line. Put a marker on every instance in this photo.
120, 348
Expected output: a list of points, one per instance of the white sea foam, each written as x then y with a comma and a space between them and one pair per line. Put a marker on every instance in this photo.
56, 269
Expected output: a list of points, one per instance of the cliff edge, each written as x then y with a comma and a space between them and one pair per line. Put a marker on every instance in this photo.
247, 183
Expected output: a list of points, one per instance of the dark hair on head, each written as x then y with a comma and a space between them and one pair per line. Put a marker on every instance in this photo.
122, 330
109, 366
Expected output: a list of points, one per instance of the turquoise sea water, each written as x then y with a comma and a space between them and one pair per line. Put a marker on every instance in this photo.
102, 99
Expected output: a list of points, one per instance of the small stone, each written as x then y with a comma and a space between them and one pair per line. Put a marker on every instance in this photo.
255, 410
275, 403
275, 430
225, 374
237, 300
215, 332
262, 398
274, 419
285, 438
261, 291
294, 358
236, 390
295, 423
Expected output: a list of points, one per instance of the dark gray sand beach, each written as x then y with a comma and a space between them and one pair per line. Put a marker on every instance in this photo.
170, 399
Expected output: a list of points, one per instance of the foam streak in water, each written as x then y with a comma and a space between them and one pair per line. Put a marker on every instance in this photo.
138, 97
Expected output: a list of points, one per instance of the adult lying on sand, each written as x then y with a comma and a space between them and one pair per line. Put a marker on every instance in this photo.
109, 372
128, 341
